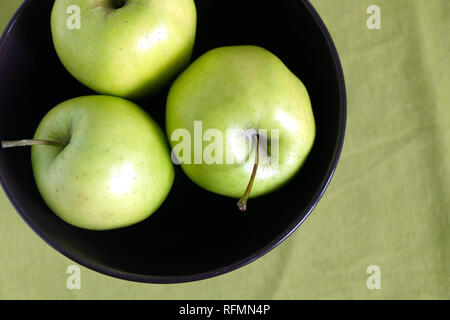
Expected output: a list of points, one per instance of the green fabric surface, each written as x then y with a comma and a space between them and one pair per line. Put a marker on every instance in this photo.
387, 205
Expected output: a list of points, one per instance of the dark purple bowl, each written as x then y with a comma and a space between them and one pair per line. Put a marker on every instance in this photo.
195, 234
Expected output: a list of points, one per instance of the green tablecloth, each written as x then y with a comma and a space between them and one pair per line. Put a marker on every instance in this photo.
388, 204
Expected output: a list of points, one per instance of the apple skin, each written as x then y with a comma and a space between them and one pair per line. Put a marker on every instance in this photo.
115, 169
240, 88
129, 52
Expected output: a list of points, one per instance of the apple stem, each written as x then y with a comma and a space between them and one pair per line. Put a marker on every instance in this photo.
28, 142
242, 203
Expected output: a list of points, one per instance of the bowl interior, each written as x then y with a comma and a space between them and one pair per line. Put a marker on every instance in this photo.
195, 234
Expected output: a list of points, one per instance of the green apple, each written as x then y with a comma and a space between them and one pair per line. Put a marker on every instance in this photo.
126, 48
100, 162
245, 96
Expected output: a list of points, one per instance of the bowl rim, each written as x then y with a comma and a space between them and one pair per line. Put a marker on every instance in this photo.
135, 277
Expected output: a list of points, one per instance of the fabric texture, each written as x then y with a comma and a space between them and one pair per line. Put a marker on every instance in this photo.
388, 204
